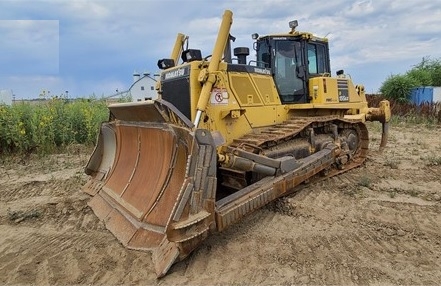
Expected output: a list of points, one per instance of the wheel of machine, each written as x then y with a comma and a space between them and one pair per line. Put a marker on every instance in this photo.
351, 141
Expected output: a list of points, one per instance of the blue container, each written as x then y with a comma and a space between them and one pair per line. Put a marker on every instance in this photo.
423, 94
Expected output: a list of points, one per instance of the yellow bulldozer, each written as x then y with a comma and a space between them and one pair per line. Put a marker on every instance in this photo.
225, 137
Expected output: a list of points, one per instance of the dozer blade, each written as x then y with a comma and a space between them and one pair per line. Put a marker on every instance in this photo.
153, 180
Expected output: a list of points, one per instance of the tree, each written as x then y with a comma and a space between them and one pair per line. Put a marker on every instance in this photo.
434, 67
421, 77
427, 72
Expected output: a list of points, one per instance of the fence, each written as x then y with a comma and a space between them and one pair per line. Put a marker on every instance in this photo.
425, 111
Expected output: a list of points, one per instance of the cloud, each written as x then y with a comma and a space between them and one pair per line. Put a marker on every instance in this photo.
95, 45
29, 47
364, 7
88, 9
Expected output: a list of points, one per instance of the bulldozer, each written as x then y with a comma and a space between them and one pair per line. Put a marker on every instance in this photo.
225, 137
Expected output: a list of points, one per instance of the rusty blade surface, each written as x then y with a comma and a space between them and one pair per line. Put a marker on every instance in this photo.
143, 161
140, 189
143, 173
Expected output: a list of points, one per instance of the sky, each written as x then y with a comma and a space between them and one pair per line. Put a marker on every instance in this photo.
93, 47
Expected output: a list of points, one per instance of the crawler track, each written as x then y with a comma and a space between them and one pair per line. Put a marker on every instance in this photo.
330, 158
269, 138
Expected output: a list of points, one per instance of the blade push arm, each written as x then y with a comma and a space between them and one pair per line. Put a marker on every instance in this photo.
206, 76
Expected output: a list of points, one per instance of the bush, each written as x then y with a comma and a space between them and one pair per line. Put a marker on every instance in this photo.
398, 87
420, 77
47, 125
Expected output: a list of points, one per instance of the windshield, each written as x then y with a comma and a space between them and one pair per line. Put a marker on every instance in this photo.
287, 60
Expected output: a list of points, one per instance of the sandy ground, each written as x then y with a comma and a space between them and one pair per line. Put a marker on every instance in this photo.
379, 224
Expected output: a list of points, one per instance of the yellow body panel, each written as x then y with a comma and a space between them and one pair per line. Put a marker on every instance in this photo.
328, 90
241, 101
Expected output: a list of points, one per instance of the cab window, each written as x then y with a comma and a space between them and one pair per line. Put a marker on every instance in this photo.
316, 59
263, 55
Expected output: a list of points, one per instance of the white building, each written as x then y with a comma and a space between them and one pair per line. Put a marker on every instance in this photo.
143, 87
6, 96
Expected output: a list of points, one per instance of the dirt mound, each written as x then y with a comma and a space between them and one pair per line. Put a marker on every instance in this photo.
377, 224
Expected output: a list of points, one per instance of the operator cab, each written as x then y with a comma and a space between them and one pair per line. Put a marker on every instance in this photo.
293, 58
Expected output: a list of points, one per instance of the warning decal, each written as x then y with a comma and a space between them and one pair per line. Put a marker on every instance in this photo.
219, 96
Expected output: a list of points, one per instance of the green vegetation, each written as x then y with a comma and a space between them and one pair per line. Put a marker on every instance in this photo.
398, 87
426, 73
364, 182
19, 216
45, 126
392, 194
432, 160
392, 163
